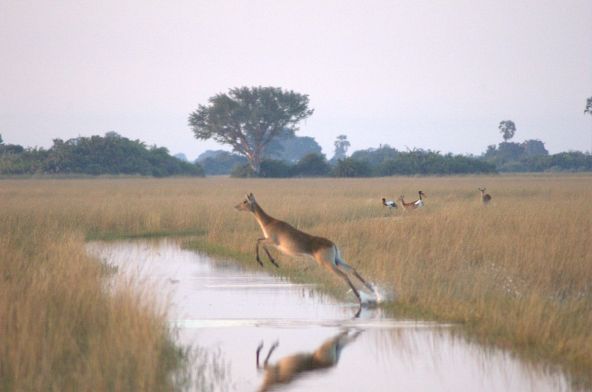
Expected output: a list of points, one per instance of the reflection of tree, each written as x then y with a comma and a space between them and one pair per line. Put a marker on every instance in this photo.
288, 368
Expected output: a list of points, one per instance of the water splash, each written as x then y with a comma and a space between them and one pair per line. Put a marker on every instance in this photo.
379, 295
384, 294
368, 299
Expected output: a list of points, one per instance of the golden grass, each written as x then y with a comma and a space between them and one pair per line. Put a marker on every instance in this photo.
61, 329
517, 273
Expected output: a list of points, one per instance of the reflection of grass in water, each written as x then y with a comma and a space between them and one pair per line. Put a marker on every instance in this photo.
203, 370
114, 236
108, 269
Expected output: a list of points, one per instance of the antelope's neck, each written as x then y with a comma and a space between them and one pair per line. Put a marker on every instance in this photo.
262, 218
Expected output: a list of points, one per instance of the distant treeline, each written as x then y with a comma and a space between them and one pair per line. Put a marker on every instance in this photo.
111, 154
529, 156
400, 163
532, 156
290, 156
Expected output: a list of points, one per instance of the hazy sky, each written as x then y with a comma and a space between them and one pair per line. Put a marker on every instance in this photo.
430, 74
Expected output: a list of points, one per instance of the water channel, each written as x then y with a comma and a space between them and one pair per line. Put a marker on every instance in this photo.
222, 310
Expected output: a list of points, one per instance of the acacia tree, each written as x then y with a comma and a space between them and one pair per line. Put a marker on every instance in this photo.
507, 129
249, 118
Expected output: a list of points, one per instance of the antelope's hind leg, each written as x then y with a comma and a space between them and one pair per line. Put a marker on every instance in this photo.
348, 268
328, 259
333, 268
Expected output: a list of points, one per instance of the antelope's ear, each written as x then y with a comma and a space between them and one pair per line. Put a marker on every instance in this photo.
247, 196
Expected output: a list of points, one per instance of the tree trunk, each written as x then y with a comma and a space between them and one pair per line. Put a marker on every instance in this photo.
255, 162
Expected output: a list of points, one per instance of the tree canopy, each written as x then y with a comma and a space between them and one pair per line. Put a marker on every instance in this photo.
341, 147
249, 118
291, 148
507, 129
95, 155
588, 106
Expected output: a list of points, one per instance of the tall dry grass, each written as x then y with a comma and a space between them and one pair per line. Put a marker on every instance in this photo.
517, 273
61, 328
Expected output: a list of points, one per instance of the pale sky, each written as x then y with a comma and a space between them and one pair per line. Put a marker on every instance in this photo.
428, 74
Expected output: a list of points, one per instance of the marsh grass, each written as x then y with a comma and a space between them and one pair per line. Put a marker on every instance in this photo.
61, 329
517, 273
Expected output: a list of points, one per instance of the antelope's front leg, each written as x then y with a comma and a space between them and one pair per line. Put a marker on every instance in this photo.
257, 251
270, 258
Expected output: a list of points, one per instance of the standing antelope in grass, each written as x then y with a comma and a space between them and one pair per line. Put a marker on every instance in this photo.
293, 242
290, 367
485, 197
415, 204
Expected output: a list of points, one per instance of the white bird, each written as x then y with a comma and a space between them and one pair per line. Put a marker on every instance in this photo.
419, 202
389, 203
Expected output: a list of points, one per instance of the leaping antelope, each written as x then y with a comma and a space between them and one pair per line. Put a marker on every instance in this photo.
485, 197
389, 203
292, 242
290, 367
415, 204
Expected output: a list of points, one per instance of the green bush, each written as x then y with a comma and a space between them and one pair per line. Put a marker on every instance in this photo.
349, 167
95, 155
312, 165
270, 168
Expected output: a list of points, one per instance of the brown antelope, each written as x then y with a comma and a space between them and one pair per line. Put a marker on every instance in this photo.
485, 197
290, 367
293, 242
415, 204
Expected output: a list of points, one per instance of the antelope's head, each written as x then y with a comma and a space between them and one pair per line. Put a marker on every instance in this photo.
482, 190
401, 198
421, 194
248, 204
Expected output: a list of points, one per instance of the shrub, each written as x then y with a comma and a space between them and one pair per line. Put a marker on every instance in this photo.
349, 167
312, 165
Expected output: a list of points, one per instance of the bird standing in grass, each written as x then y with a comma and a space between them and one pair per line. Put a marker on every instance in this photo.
389, 203
419, 202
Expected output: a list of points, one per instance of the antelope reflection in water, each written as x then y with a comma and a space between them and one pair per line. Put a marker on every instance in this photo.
288, 368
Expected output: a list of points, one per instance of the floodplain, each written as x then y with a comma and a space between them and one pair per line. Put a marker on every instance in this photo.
514, 274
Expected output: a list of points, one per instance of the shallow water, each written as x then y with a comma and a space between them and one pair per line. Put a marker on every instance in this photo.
225, 313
